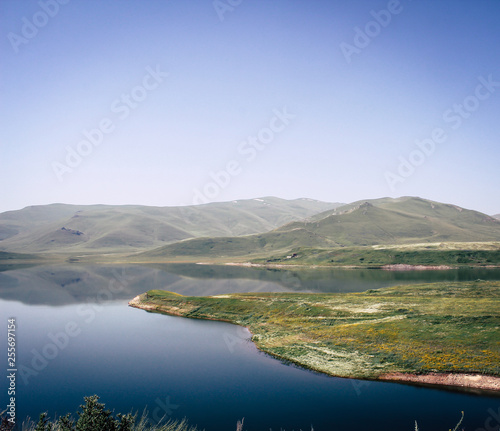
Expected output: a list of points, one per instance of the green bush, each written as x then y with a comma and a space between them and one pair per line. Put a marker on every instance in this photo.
94, 417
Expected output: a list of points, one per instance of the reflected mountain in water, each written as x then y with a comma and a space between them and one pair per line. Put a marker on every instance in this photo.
326, 279
69, 284
75, 283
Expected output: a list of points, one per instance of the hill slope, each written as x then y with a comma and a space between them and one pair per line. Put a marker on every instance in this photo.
108, 228
405, 220
400, 221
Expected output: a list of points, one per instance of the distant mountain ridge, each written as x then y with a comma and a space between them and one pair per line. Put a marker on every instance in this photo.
405, 220
261, 226
111, 228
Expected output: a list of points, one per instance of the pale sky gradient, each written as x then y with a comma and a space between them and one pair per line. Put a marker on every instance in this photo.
229, 71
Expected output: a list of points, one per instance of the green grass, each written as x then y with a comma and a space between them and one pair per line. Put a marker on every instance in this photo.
376, 257
248, 246
443, 327
143, 424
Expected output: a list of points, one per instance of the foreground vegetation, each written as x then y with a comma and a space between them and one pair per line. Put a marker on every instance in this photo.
438, 327
94, 417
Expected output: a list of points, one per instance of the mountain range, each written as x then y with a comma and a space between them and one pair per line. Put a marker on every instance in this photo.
61, 228
254, 227
406, 220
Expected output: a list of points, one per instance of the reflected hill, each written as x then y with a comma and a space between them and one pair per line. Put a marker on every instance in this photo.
69, 284
75, 283
327, 279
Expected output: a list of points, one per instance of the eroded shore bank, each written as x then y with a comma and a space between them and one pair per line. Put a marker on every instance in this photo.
395, 267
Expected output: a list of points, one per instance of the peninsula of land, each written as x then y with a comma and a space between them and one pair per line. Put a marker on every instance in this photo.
438, 334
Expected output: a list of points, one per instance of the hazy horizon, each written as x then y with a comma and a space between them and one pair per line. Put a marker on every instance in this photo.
174, 103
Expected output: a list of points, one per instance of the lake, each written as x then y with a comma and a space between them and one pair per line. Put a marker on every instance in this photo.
76, 336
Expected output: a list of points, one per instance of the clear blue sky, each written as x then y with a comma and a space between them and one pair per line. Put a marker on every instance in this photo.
189, 94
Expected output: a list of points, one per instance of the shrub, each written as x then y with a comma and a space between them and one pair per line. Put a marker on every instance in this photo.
94, 417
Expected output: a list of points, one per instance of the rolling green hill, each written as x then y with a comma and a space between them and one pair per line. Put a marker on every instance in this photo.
387, 221
60, 228
400, 221
497, 216
239, 246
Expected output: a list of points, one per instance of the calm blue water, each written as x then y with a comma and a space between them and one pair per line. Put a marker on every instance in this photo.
208, 372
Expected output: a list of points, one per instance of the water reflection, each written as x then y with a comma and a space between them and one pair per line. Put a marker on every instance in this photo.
69, 284
206, 371
209, 371
329, 279
76, 283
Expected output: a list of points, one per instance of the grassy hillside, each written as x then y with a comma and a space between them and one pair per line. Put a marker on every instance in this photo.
399, 221
420, 328
267, 229
245, 246
363, 224
107, 228
13, 223
466, 254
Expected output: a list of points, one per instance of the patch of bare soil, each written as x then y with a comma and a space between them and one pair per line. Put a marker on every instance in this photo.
474, 381
403, 267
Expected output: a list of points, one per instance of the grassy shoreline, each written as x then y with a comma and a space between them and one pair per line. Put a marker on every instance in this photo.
439, 328
444, 255
379, 257
439, 256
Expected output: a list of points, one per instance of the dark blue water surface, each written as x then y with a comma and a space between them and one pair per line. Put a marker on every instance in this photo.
208, 372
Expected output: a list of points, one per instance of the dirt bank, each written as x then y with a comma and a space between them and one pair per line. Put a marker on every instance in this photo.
473, 381
403, 267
